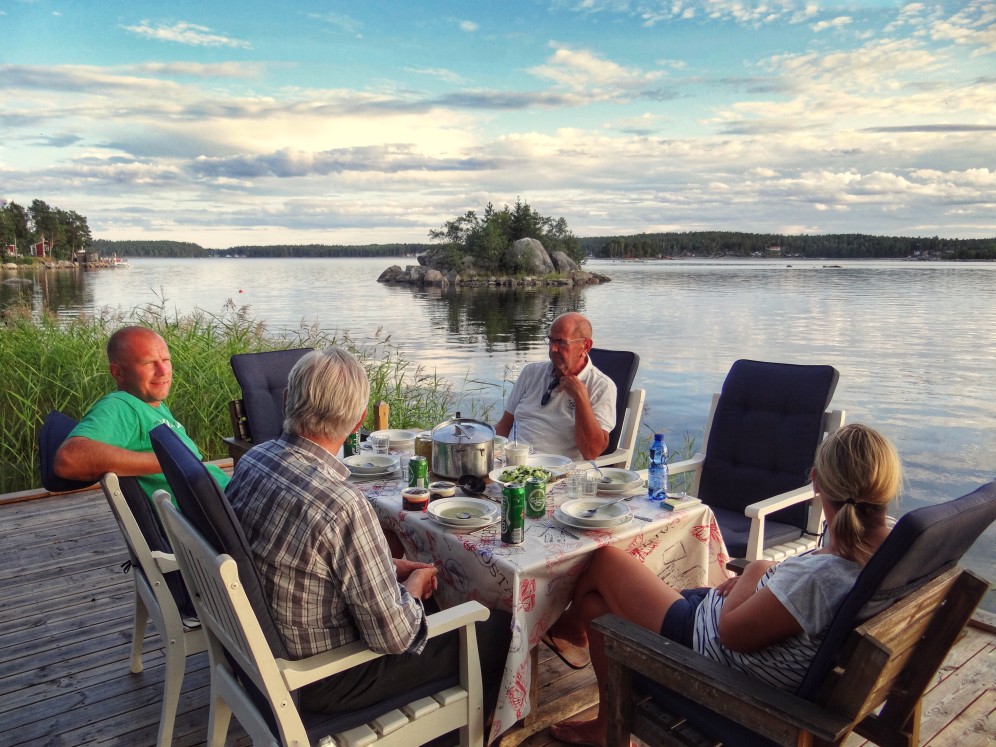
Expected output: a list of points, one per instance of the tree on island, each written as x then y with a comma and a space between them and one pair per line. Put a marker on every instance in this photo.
486, 244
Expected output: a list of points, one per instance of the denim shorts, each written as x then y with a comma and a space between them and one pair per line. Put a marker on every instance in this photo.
679, 622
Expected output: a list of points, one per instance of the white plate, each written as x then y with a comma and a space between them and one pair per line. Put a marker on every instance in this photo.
397, 437
622, 479
610, 515
450, 511
575, 524
366, 464
548, 460
370, 475
495, 474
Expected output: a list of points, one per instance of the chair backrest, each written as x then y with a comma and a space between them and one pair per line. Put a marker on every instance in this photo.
925, 543
203, 503
263, 379
620, 366
55, 429
232, 623
764, 433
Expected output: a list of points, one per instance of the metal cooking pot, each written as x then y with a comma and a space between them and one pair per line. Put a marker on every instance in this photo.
462, 446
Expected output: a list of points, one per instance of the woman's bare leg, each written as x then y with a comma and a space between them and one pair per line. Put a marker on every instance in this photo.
614, 582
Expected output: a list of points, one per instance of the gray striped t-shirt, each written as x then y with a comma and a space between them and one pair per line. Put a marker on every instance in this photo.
811, 587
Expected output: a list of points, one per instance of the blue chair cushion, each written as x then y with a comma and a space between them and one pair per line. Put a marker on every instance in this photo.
735, 528
620, 366
55, 429
263, 379
767, 425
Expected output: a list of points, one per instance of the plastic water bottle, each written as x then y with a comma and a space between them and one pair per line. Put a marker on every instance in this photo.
658, 482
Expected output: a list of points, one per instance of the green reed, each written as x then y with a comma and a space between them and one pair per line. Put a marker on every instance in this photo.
48, 364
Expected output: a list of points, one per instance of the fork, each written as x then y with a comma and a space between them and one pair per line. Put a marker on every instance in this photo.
591, 511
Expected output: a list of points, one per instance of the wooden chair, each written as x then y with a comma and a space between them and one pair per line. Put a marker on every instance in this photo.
621, 367
259, 415
159, 590
252, 674
758, 448
868, 676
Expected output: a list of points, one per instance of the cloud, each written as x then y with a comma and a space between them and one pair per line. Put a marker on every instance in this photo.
584, 71
835, 23
201, 70
445, 75
468, 26
974, 25
342, 22
186, 33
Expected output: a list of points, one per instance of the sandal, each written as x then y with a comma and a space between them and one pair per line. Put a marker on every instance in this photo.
575, 657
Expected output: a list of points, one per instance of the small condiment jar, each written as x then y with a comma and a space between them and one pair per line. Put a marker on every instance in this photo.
441, 489
415, 499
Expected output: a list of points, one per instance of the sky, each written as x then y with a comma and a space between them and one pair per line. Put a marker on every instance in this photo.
243, 123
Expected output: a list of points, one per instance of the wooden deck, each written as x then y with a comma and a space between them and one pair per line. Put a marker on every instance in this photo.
65, 633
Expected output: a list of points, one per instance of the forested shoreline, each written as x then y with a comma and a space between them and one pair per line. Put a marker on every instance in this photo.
636, 246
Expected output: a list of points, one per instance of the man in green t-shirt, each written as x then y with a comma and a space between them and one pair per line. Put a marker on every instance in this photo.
114, 434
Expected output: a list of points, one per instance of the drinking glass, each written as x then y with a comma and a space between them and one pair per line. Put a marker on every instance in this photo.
379, 442
588, 485
516, 453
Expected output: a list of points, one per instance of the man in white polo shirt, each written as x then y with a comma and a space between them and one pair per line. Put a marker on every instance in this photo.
564, 405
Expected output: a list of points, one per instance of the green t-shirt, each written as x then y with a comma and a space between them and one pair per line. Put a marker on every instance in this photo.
121, 419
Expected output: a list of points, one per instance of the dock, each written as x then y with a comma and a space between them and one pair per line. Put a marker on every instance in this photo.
65, 639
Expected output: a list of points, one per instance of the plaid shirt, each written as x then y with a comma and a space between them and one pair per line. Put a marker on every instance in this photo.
322, 555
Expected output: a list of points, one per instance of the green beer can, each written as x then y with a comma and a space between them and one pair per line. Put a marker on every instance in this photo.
535, 497
418, 472
513, 513
351, 445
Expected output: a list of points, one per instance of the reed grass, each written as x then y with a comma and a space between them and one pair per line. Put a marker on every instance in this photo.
51, 364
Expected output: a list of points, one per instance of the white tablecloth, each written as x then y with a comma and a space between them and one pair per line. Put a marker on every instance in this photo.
534, 580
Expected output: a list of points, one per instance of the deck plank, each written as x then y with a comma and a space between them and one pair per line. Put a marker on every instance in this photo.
66, 612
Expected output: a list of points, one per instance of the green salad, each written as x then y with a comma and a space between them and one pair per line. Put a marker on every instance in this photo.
521, 474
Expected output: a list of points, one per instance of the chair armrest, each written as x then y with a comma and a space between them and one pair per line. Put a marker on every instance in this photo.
686, 465
770, 505
303, 672
166, 561
776, 714
617, 458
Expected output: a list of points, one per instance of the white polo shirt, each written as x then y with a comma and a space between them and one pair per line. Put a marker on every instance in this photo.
550, 429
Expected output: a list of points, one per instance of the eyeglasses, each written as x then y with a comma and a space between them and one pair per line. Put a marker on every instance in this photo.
560, 342
549, 392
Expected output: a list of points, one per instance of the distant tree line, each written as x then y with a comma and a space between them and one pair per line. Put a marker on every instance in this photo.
64, 231
324, 250
486, 243
827, 246
159, 248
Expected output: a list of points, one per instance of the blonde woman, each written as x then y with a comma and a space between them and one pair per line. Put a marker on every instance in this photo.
767, 622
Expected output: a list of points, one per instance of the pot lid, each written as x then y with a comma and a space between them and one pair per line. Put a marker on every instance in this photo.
463, 431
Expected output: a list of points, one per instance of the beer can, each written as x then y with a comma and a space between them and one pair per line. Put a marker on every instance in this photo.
418, 472
351, 445
423, 447
536, 497
513, 509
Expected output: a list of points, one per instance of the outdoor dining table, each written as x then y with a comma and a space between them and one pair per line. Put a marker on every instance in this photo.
534, 580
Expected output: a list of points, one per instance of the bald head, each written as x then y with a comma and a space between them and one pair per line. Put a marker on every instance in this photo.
139, 361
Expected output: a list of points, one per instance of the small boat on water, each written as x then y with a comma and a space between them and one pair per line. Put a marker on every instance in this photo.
119, 262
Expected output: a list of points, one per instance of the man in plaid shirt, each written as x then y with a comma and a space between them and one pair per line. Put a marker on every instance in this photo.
322, 555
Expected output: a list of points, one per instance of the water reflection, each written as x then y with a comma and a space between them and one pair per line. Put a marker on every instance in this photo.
495, 319
58, 292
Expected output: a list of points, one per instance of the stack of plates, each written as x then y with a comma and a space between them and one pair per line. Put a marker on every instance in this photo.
464, 513
572, 513
622, 480
371, 465
400, 440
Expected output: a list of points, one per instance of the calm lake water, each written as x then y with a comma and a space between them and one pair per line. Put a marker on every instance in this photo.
915, 342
